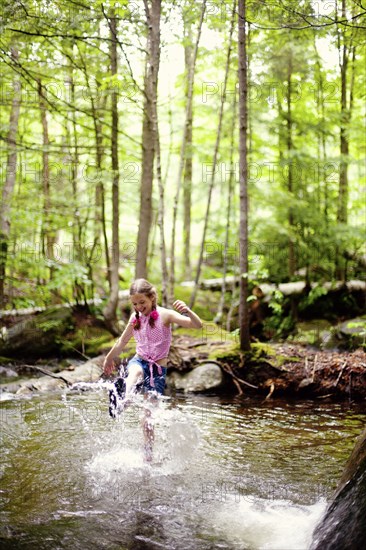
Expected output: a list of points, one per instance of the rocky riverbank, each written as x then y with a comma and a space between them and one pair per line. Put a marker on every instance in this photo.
197, 365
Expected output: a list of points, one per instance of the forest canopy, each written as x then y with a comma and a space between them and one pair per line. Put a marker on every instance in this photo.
120, 144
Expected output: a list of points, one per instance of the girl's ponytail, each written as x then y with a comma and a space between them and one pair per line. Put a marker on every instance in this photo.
153, 316
136, 321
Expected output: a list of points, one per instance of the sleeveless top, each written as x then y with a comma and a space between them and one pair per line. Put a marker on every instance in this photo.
152, 343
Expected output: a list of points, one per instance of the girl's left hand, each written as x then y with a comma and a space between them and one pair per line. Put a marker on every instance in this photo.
180, 306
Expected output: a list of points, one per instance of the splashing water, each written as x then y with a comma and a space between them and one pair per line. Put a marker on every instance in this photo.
272, 525
231, 476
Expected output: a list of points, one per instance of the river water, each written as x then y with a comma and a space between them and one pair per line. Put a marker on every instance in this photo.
245, 475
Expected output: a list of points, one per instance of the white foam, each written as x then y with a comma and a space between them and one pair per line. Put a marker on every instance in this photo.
268, 525
120, 459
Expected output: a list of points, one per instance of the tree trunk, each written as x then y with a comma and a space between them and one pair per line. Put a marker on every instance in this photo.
344, 145
49, 236
214, 162
243, 178
183, 151
72, 146
111, 307
97, 110
10, 179
188, 168
161, 214
290, 186
153, 12
230, 190
345, 116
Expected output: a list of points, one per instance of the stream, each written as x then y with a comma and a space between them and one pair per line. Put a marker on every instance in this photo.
247, 474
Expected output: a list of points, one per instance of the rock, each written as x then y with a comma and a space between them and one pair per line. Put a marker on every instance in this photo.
176, 380
8, 373
352, 333
343, 526
202, 378
317, 332
87, 372
90, 371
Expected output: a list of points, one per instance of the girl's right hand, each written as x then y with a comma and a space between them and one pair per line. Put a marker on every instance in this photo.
108, 365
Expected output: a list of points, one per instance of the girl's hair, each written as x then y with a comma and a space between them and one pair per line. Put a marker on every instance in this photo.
142, 286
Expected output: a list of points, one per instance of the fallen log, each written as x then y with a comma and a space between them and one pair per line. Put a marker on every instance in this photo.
287, 289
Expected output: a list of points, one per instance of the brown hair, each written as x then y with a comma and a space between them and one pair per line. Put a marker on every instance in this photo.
142, 286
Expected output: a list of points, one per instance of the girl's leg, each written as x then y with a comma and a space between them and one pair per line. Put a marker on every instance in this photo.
135, 376
148, 427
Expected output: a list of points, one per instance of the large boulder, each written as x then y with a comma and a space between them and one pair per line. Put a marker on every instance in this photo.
202, 378
344, 526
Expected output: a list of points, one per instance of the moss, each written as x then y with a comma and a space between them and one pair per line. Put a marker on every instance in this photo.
259, 350
89, 340
6, 360
229, 355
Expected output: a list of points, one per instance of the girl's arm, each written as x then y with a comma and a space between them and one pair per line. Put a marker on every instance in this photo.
108, 364
184, 317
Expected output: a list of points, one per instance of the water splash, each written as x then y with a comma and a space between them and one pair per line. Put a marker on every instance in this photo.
268, 525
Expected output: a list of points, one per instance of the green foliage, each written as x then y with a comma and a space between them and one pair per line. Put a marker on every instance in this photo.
314, 294
50, 325
278, 324
68, 49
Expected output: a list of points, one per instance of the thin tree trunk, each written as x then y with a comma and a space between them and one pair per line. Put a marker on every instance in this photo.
183, 151
161, 213
153, 13
10, 179
188, 167
322, 198
99, 217
290, 186
344, 145
111, 307
71, 150
79, 287
220, 308
243, 178
345, 116
214, 162
49, 237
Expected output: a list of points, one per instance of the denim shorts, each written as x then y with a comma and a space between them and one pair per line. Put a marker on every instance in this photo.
159, 379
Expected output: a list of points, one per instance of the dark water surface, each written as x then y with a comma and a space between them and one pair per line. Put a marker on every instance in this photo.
243, 475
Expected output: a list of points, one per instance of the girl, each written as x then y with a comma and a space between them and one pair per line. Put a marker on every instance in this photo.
150, 325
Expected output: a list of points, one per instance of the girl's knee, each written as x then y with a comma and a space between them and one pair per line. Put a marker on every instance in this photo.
135, 374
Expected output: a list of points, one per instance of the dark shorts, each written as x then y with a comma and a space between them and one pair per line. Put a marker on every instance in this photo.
159, 379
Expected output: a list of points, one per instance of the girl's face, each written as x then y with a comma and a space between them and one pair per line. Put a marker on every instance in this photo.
142, 303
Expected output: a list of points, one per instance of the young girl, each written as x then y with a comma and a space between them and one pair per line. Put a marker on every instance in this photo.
150, 325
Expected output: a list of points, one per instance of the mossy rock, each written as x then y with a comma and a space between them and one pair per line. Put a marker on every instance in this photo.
318, 332
89, 340
39, 335
352, 333
343, 524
